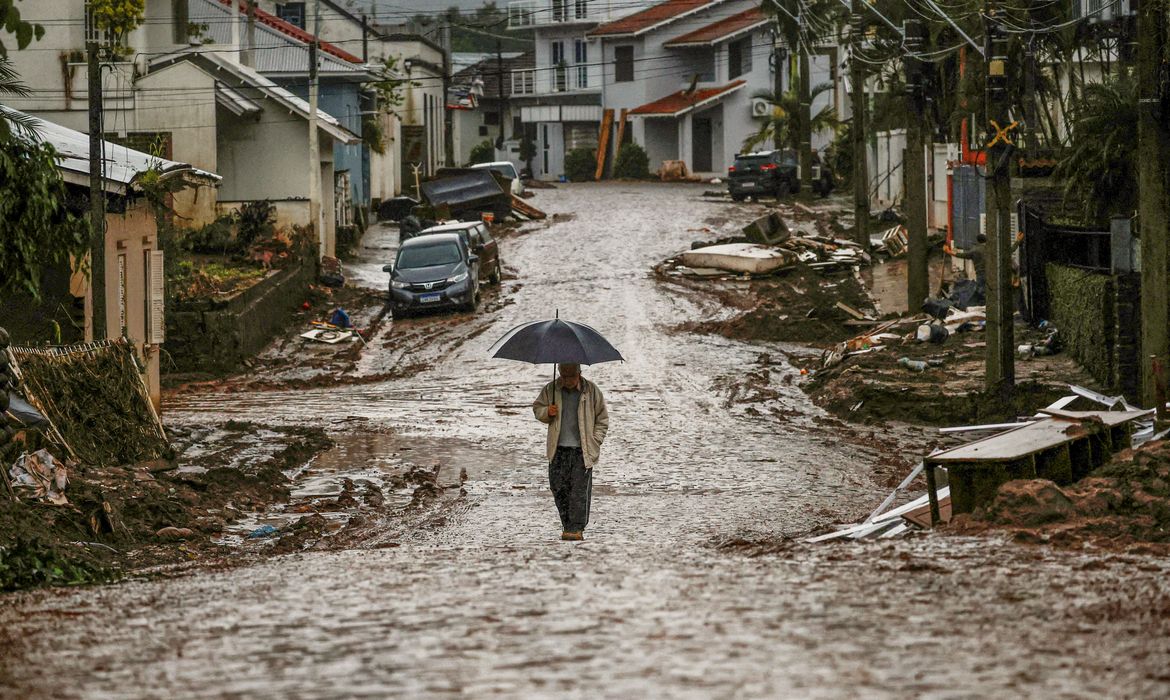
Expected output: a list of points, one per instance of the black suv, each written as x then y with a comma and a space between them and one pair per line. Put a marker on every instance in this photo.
765, 172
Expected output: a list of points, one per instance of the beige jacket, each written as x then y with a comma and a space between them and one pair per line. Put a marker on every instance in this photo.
592, 418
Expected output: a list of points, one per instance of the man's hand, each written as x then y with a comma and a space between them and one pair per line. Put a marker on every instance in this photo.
552, 411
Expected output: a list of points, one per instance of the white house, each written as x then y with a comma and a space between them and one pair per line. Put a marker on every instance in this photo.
687, 71
189, 89
560, 97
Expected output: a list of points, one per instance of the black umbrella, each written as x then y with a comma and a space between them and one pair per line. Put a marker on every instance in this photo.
555, 341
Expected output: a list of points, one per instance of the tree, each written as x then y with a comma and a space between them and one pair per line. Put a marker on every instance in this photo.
631, 162
483, 152
10, 22
1099, 168
580, 165
783, 126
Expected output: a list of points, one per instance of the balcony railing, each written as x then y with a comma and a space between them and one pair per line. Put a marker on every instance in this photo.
534, 13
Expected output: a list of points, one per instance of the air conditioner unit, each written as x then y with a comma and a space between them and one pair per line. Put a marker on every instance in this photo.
761, 107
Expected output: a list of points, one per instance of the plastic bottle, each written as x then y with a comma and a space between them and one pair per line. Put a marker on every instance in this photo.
912, 365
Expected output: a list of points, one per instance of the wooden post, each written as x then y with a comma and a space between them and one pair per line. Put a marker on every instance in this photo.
603, 142
1001, 368
1153, 183
315, 189
97, 192
914, 168
932, 495
857, 130
1158, 370
805, 123
621, 133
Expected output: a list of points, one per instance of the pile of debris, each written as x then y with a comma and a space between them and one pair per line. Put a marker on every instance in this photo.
1026, 461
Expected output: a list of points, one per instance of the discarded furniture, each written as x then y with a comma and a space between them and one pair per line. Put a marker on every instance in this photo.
525, 210
769, 229
746, 258
1064, 447
467, 193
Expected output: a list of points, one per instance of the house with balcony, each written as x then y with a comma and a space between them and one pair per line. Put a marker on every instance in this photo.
482, 109
193, 84
684, 72
559, 98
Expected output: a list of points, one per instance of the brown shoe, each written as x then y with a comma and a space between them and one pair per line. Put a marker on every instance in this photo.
576, 536
566, 535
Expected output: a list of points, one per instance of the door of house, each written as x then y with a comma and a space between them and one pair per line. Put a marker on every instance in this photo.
701, 145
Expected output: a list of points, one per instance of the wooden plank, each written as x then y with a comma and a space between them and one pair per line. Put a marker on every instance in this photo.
920, 516
519, 205
621, 134
603, 142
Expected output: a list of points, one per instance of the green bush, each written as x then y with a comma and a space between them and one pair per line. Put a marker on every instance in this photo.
218, 237
484, 152
255, 221
580, 165
631, 162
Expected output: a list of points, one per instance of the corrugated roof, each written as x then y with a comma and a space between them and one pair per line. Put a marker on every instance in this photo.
681, 102
722, 30
651, 18
278, 50
123, 166
252, 79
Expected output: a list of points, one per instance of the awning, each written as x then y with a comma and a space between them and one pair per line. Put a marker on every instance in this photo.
679, 103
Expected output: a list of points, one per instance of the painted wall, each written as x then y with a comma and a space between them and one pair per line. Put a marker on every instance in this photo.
129, 239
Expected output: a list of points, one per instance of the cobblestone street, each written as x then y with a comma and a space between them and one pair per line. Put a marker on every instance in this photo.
487, 601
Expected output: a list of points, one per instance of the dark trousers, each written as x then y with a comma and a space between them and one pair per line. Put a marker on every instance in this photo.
572, 487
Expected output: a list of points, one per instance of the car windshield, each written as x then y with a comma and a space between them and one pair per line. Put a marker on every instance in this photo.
429, 255
507, 170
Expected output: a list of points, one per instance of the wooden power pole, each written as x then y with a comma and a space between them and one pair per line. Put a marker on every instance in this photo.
1001, 368
97, 192
857, 130
914, 169
324, 247
1153, 165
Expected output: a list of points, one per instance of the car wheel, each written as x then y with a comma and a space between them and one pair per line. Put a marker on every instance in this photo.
498, 274
738, 197
794, 185
397, 314
782, 189
472, 305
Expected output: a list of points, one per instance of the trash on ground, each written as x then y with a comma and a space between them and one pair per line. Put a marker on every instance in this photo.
331, 336
524, 210
40, 476
262, 531
769, 229
749, 258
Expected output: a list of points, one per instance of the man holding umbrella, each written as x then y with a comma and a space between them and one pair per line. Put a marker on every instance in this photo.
574, 410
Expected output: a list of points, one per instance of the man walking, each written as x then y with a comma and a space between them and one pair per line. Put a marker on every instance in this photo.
577, 420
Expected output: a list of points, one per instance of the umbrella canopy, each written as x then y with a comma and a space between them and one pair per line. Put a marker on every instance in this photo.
555, 341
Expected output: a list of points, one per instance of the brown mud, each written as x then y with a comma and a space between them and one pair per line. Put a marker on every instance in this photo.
1122, 504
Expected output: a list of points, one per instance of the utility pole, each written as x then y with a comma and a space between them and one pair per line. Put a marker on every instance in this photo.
248, 56
448, 129
1001, 367
500, 92
778, 58
97, 192
1153, 181
365, 39
324, 247
914, 168
857, 130
805, 114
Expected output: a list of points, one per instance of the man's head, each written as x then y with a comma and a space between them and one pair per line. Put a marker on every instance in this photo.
570, 373
981, 238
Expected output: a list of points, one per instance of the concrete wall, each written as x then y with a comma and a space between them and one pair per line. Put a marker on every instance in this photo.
216, 336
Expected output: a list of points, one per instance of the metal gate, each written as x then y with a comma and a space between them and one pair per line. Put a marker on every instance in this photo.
968, 205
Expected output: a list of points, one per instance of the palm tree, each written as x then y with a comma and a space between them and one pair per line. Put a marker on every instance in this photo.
783, 126
11, 86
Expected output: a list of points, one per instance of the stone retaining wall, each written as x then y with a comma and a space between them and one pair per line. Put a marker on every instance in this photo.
216, 335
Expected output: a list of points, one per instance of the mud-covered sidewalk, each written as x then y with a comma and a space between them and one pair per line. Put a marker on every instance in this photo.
715, 451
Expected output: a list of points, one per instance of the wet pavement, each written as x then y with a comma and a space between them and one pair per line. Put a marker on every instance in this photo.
486, 601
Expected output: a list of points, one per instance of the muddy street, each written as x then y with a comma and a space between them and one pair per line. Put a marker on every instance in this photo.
685, 585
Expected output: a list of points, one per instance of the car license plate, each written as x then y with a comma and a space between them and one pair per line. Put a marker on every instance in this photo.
430, 298
749, 183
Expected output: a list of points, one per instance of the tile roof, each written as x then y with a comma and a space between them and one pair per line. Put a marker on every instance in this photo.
721, 30
679, 103
293, 31
651, 17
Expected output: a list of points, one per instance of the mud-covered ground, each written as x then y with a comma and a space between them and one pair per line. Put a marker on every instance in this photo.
685, 585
